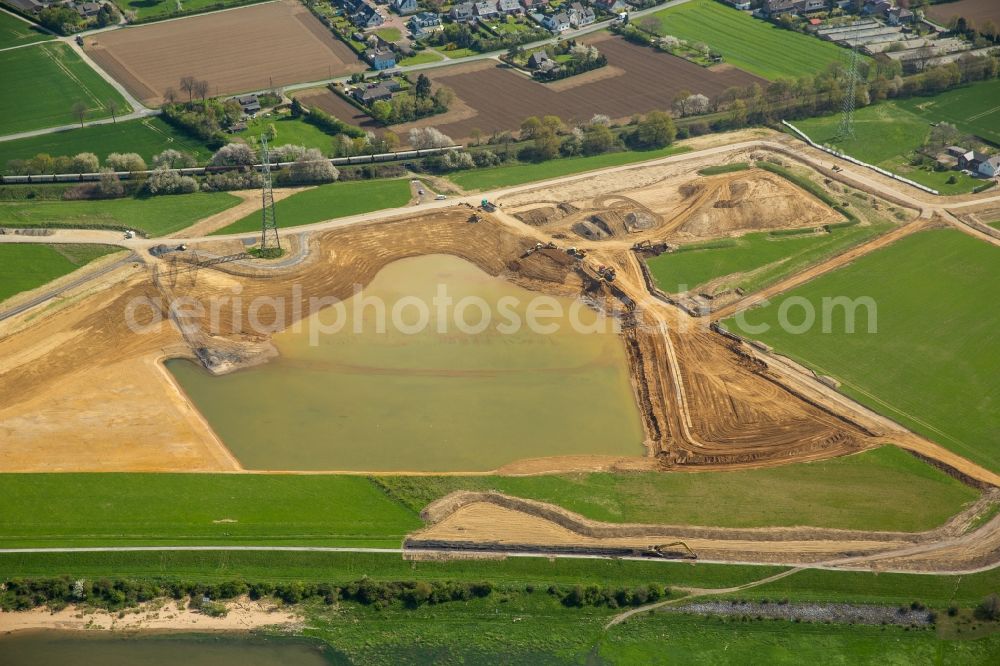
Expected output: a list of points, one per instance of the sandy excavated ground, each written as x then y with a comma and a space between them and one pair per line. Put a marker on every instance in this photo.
668, 203
243, 615
489, 520
706, 401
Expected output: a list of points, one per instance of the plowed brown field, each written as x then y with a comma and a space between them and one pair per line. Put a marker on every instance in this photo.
976, 11
254, 48
644, 80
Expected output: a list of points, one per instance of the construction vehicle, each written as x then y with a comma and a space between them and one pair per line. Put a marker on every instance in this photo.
663, 550
607, 272
487, 206
574, 252
129, 234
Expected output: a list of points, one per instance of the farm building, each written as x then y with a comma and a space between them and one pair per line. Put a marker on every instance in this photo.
249, 103
374, 93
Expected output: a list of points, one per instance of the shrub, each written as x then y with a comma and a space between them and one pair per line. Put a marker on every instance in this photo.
165, 180
234, 154
125, 162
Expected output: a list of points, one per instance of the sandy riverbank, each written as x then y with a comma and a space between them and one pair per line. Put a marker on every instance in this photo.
161, 615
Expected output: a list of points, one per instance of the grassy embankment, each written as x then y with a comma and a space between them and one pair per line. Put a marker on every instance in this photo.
749, 43
150, 509
929, 365
155, 216
42, 83
327, 202
26, 266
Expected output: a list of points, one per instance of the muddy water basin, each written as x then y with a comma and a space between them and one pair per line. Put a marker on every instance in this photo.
495, 375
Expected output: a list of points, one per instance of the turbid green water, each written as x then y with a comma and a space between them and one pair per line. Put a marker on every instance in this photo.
429, 400
51, 648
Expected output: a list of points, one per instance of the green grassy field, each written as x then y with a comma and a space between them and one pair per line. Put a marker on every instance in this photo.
26, 266
291, 131
833, 493
155, 216
15, 32
748, 43
41, 84
146, 136
59, 510
162, 9
754, 260
503, 176
421, 58
685, 639
974, 109
164, 509
333, 567
327, 202
886, 135
389, 34
930, 365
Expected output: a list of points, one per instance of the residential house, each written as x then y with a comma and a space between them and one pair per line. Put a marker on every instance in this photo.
580, 16
613, 6
405, 7
486, 9
511, 7
979, 163
423, 24
558, 22
534, 5
87, 9
381, 58
899, 16
363, 14
28, 6
462, 12
778, 7
374, 93
740, 4
877, 7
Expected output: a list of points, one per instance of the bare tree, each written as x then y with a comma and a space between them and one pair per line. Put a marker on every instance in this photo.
113, 109
187, 85
170, 95
80, 111
200, 89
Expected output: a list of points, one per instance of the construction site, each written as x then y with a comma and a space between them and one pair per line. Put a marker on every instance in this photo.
81, 390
